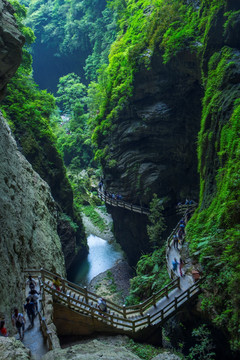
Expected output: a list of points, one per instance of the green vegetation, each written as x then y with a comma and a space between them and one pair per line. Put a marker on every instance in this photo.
144, 351
95, 218
71, 129
203, 350
158, 224
215, 232
112, 287
70, 28
151, 276
28, 111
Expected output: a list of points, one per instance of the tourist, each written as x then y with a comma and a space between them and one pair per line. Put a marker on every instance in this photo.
181, 263
33, 295
57, 283
31, 282
3, 330
29, 307
102, 306
18, 320
175, 241
175, 264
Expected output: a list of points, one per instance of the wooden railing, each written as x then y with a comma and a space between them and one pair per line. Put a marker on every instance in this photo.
47, 334
120, 203
183, 208
124, 318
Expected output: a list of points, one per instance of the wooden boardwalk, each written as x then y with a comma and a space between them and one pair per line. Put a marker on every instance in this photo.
129, 320
76, 311
122, 204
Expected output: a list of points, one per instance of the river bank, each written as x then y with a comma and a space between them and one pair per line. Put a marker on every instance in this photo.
114, 283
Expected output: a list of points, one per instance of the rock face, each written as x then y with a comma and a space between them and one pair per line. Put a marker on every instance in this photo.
154, 145
11, 42
93, 350
11, 349
28, 221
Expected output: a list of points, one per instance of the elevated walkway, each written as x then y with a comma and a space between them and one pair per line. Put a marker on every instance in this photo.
76, 311
122, 204
76, 308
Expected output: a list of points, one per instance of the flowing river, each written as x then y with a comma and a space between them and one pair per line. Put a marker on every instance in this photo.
102, 256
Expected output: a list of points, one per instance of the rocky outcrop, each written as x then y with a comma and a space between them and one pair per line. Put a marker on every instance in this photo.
11, 42
92, 350
154, 145
12, 349
28, 222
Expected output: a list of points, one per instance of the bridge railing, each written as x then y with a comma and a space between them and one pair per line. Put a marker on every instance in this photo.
85, 302
120, 203
89, 298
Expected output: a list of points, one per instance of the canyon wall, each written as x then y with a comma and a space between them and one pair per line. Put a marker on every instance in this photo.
154, 145
28, 213
11, 42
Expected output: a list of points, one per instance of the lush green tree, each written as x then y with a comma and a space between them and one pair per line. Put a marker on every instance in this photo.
71, 129
71, 94
158, 223
203, 349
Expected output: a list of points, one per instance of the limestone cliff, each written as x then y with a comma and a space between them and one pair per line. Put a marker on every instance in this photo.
28, 220
11, 42
154, 145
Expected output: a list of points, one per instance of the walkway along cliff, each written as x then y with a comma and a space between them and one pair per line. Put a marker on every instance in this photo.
75, 310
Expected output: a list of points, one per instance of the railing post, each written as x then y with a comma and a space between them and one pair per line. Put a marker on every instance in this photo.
149, 319
131, 207
42, 275
124, 311
63, 285
179, 283
154, 300
68, 301
162, 315
166, 292
86, 294
141, 312
188, 294
176, 301
112, 320
133, 326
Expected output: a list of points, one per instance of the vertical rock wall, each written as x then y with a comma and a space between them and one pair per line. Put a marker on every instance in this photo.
11, 42
28, 222
154, 146
28, 216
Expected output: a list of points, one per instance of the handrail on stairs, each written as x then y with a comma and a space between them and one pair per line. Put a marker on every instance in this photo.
118, 316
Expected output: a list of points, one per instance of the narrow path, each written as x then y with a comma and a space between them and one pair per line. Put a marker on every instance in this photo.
33, 338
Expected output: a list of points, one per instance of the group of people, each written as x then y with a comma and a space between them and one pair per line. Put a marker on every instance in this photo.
113, 196
31, 308
107, 193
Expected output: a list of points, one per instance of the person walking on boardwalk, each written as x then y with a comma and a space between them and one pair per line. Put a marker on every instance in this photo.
175, 241
181, 263
29, 307
175, 264
31, 283
19, 321
102, 306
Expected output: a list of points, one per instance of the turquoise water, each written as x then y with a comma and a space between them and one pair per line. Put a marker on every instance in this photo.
102, 256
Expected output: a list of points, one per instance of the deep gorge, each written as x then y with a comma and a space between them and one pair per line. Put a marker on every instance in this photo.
163, 116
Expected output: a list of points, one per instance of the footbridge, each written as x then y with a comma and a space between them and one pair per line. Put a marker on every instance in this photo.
122, 204
76, 311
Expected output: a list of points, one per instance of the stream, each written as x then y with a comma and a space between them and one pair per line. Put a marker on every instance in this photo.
102, 256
